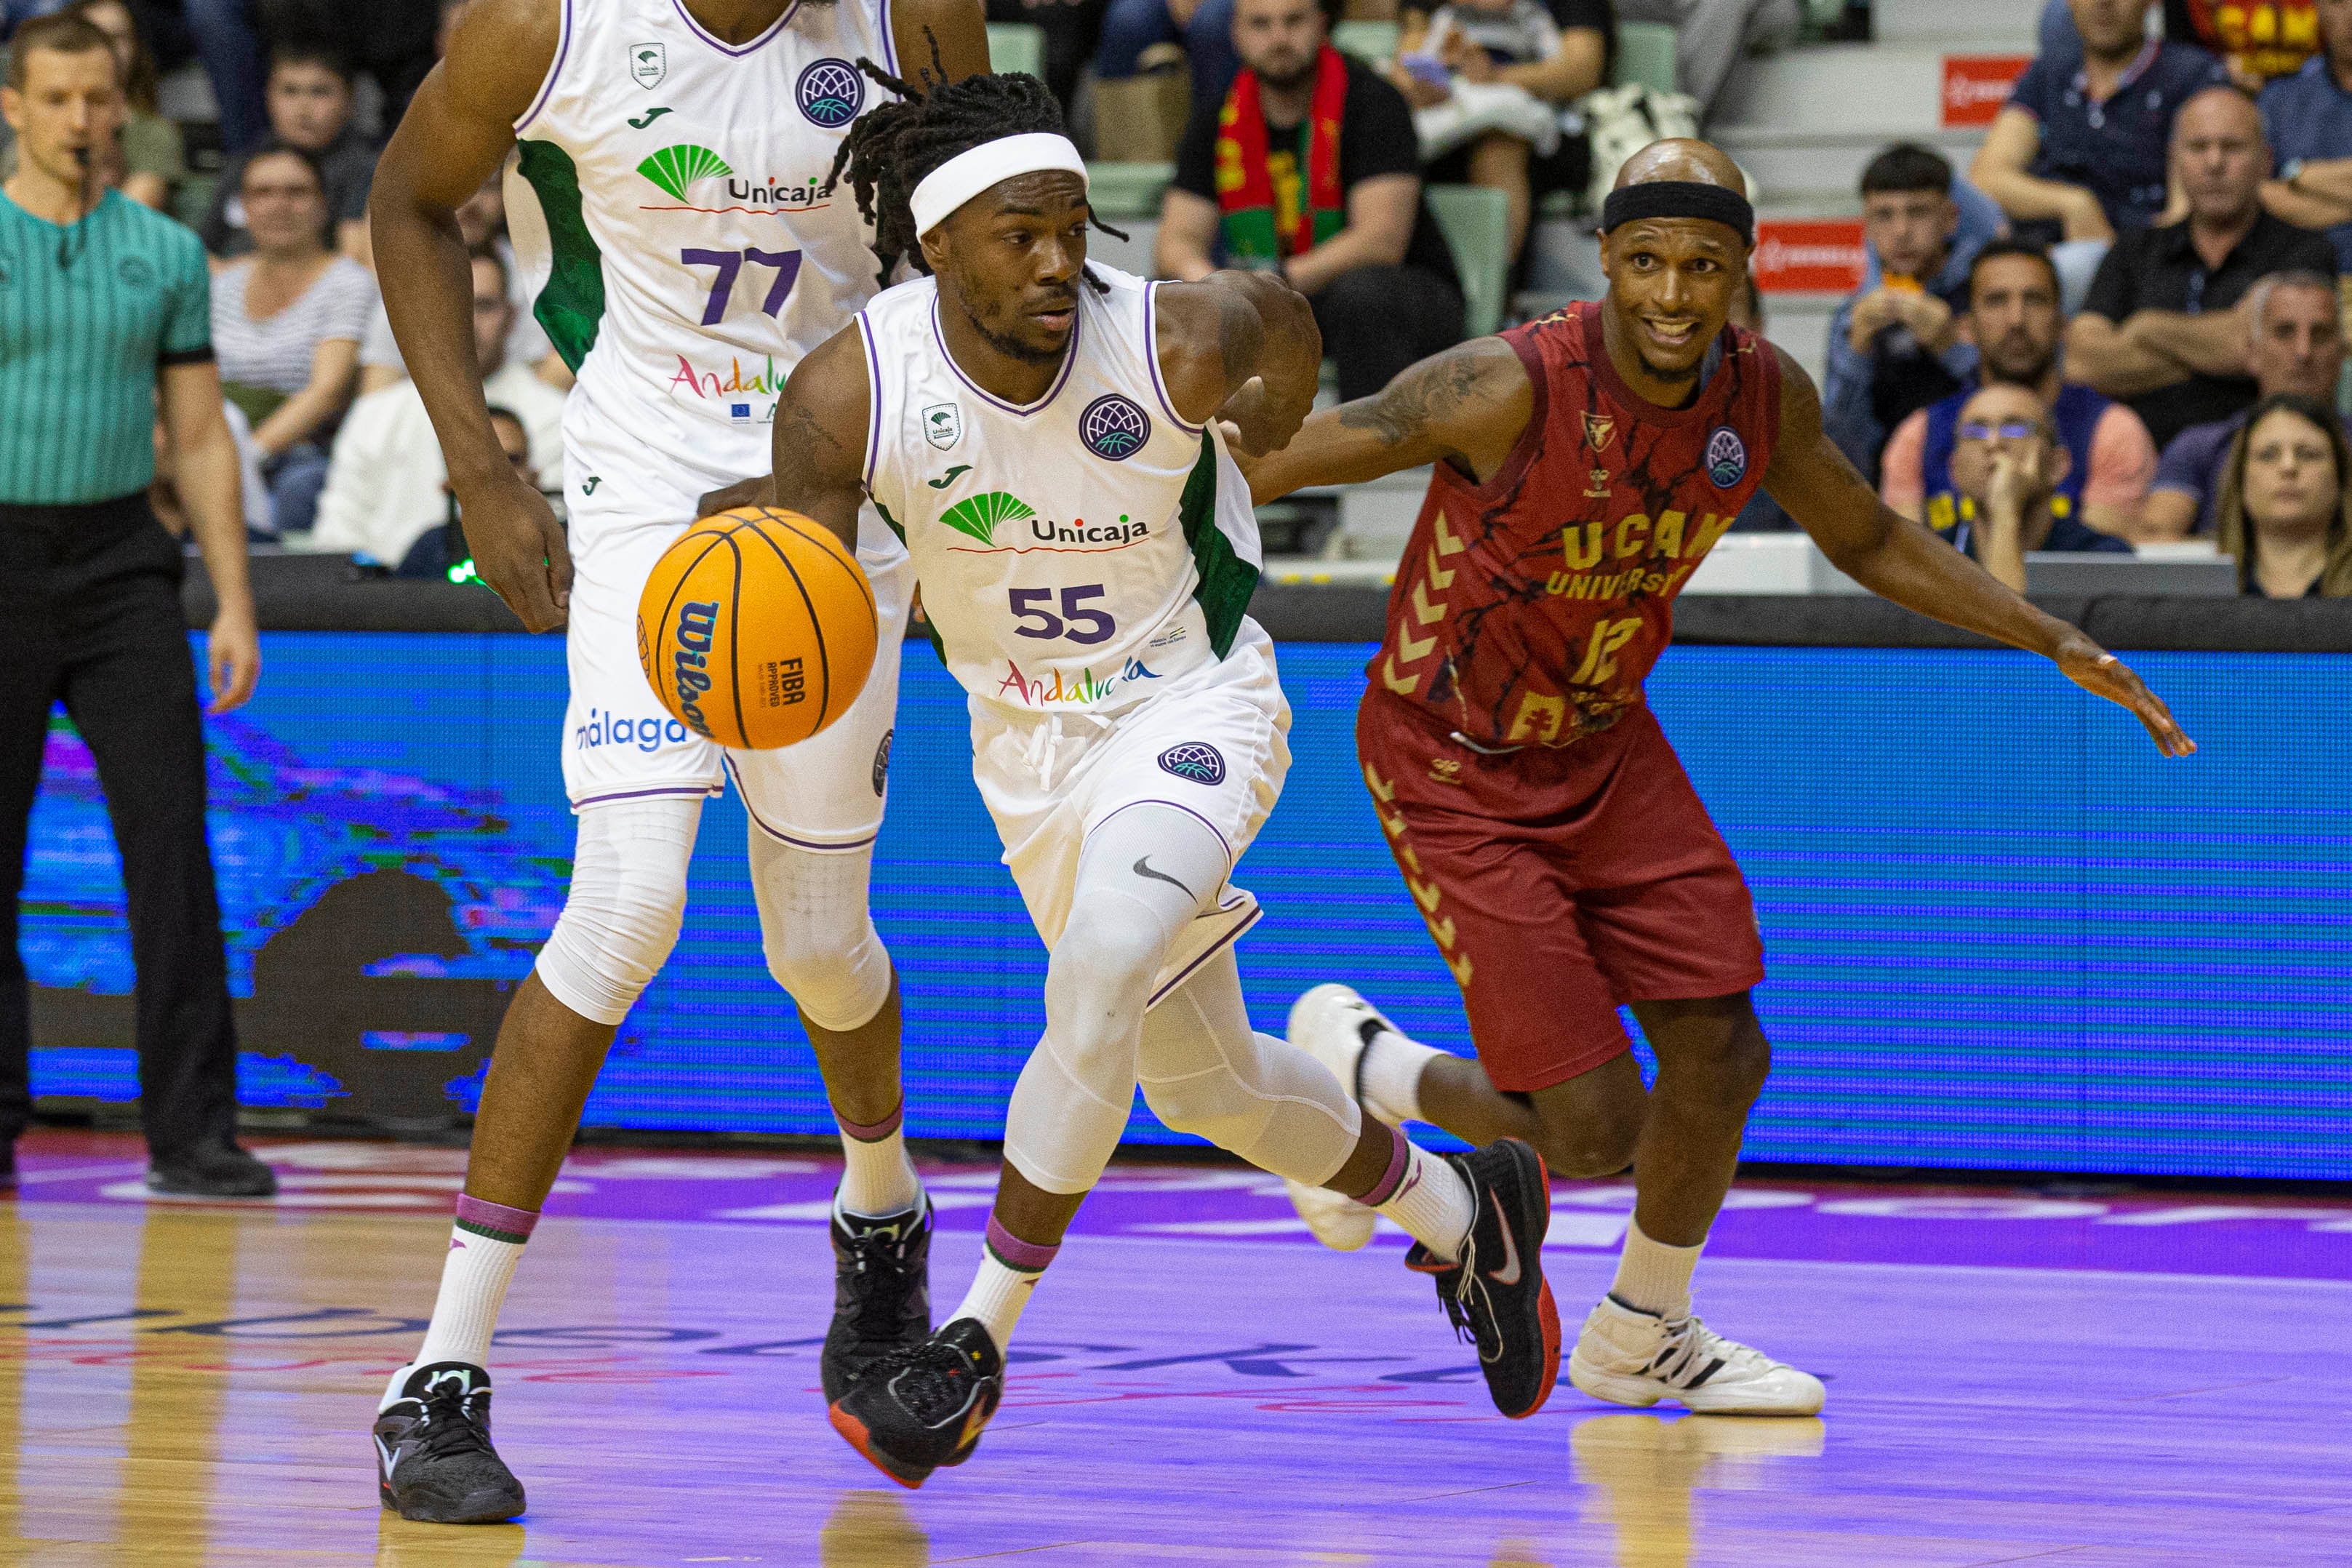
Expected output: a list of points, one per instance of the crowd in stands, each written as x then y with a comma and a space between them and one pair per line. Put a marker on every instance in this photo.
2122, 327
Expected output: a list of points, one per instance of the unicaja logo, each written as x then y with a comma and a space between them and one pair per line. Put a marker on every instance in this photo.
976, 516
690, 661
831, 92
1114, 426
676, 168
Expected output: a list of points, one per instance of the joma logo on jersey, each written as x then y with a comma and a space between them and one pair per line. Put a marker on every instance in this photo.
698, 621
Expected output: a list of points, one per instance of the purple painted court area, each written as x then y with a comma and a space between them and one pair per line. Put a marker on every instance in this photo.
2112, 1381
2208, 1234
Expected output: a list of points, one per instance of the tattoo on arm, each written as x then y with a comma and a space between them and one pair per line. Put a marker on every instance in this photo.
1423, 398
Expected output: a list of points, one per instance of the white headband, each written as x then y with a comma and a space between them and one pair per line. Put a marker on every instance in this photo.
967, 175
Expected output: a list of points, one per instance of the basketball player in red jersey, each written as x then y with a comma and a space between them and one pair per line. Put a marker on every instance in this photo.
1585, 463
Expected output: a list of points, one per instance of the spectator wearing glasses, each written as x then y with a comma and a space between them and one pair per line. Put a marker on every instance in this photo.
387, 487
2282, 501
2308, 119
2077, 155
2165, 327
1896, 346
2009, 463
287, 322
2296, 340
309, 100
2013, 316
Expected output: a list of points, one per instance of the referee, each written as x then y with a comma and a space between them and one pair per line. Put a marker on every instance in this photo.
105, 312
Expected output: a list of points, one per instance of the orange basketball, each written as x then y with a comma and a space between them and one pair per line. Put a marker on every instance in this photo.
756, 629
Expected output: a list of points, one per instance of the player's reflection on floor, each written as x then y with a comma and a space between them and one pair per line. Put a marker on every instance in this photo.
873, 1530
401, 1544
1643, 1469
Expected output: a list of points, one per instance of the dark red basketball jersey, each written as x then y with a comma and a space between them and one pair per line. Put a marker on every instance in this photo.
1528, 610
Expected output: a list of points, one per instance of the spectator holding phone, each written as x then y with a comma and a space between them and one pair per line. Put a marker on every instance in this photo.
1488, 79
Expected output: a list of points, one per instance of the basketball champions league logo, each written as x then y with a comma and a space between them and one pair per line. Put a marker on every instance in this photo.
1726, 457
1114, 426
831, 92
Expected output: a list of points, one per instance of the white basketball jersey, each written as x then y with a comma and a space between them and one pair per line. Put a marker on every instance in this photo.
693, 259
1072, 552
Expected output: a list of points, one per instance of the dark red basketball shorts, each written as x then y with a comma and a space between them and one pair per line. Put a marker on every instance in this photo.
1560, 882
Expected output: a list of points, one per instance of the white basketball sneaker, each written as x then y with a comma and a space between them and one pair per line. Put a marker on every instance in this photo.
1631, 1357
1333, 1024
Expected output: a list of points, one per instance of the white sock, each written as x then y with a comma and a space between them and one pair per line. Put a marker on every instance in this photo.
1389, 1074
1009, 1271
1426, 1196
484, 1247
876, 1176
1655, 1278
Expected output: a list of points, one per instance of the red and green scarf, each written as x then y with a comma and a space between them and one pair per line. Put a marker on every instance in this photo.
1245, 187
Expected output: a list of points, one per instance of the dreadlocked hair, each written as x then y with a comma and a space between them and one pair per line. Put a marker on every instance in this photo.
889, 149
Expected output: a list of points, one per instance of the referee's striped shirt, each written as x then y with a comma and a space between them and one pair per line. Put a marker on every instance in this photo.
86, 314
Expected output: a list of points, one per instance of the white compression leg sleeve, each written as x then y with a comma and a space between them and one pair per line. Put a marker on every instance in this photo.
622, 912
1205, 1071
817, 932
1144, 873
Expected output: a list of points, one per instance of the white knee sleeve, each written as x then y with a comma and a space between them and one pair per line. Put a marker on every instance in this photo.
817, 932
1205, 1071
622, 912
1142, 877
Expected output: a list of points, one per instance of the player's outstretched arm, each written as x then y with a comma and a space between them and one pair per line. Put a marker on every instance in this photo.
1900, 559
1469, 405
458, 129
820, 441
1241, 348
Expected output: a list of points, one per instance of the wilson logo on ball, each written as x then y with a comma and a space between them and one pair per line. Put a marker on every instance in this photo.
690, 678
756, 629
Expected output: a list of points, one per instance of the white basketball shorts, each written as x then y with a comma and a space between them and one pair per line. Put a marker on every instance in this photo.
1216, 743
628, 503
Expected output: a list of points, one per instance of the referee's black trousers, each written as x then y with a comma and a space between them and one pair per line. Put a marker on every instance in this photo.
90, 615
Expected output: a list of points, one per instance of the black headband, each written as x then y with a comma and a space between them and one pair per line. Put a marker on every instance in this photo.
1680, 198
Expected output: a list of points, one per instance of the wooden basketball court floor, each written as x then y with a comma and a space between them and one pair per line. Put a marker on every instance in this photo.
2081, 1381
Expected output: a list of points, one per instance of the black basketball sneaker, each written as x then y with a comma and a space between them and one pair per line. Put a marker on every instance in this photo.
1495, 1294
881, 1292
434, 1458
924, 1405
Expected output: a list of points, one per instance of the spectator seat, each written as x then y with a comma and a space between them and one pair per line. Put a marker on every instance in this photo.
1477, 220
1128, 190
1645, 53
1372, 41
1016, 47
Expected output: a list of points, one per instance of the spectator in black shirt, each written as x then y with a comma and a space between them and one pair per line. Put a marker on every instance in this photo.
309, 101
1339, 214
2162, 329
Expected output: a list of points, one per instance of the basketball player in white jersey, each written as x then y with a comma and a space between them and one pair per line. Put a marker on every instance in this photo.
1045, 436
680, 151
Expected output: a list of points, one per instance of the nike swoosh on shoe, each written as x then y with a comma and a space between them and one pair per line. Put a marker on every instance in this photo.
1509, 1273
